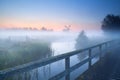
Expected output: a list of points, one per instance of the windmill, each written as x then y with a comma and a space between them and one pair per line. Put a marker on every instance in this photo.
67, 28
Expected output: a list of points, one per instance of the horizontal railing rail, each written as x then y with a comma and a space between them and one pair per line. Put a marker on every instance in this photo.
43, 62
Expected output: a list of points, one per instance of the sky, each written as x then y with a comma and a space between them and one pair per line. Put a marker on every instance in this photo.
55, 14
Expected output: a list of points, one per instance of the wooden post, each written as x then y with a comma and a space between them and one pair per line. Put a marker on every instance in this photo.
106, 46
67, 67
100, 48
90, 61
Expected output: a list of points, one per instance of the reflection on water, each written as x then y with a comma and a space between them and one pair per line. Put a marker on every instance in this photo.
62, 47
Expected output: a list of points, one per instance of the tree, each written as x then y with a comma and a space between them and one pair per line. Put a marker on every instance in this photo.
82, 41
43, 29
111, 24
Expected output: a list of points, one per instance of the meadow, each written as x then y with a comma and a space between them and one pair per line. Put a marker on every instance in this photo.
14, 53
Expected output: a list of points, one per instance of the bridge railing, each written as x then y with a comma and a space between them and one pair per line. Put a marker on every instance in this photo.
66, 57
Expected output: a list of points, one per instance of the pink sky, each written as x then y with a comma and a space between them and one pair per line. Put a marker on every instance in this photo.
55, 25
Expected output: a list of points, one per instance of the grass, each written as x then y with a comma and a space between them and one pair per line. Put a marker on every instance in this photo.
17, 53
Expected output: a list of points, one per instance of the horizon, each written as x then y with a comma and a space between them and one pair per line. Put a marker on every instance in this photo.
55, 14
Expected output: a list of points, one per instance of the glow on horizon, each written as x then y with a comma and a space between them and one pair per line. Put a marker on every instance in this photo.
56, 26
38, 24
55, 14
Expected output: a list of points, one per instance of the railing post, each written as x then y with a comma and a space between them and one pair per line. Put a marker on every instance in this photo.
90, 61
67, 67
106, 46
100, 48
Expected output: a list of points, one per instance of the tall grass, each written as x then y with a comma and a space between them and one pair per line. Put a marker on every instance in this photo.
17, 53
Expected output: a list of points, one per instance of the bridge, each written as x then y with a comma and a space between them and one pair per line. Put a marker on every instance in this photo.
109, 45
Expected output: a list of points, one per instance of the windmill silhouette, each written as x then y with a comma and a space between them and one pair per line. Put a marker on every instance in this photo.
67, 28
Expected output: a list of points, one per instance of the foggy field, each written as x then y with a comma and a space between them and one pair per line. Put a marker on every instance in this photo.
23, 35
16, 53
20, 47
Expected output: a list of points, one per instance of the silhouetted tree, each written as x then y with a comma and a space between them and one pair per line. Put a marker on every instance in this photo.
82, 41
111, 24
43, 29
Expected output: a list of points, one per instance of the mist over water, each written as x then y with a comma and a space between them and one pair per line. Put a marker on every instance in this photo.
49, 36
60, 43
45, 35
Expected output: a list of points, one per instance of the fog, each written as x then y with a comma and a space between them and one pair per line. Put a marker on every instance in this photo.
23, 35
39, 35
18, 47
